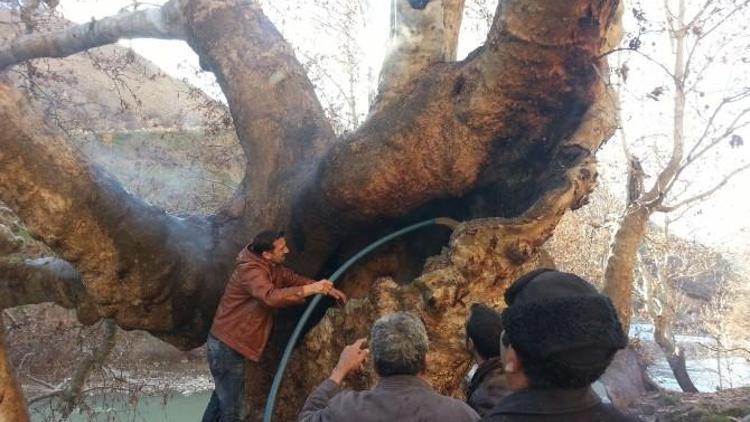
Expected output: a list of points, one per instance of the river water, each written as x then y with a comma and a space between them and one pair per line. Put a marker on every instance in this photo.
708, 374
118, 407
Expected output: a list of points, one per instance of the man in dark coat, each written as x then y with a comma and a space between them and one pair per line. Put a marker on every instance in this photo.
559, 336
399, 346
487, 385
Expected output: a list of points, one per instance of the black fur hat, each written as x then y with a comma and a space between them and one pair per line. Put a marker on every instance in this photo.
565, 332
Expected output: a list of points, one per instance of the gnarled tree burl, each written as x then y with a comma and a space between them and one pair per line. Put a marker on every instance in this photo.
506, 135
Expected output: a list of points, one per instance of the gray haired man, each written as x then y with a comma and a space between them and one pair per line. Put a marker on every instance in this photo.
398, 343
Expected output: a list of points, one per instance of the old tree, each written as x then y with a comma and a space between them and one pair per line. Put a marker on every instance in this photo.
505, 138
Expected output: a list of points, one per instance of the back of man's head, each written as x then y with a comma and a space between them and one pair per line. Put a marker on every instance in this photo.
563, 330
483, 328
398, 344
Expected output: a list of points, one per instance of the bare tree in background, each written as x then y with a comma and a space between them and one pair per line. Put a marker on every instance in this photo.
665, 265
723, 327
702, 41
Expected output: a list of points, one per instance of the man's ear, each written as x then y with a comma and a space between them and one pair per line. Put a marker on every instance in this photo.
511, 363
265, 255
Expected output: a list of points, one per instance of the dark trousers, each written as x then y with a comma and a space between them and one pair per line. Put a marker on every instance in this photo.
228, 370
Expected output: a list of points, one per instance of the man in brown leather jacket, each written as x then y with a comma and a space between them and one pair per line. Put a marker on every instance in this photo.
244, 319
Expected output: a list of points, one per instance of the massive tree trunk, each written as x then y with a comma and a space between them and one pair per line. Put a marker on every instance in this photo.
507, 134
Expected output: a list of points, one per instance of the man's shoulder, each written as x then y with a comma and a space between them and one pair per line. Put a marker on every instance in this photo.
458, 407
435, 402
250, 270
612, 414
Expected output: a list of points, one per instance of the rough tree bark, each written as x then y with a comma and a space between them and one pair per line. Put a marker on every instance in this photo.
12, 403
619, 275
419, 38
38, 281
509, 132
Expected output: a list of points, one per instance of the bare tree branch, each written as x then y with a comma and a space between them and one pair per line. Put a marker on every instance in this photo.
38, 281
725, 350
699, 14
419, 39
115, 240
645, 56
704, 33
42, 382
164, 22
57, 393
710, 123
72, 393
703, 195
693, 156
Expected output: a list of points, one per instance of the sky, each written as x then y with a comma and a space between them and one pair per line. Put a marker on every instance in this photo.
722, 222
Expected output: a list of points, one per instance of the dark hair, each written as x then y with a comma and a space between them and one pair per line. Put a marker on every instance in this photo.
263, 241
483, 328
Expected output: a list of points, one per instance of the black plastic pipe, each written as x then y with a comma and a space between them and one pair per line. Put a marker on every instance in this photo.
271, 402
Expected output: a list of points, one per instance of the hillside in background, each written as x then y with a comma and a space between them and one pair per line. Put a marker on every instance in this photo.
106, 89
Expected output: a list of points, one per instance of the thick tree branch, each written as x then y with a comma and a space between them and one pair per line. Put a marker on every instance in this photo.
666, 177
420, 38
38, 281
165, 22
139, 265
280, 123
622, 260
470, 124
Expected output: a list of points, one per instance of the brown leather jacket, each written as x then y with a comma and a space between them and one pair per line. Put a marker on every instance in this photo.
244, 318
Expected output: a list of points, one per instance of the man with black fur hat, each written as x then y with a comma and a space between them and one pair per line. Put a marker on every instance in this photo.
560, 334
